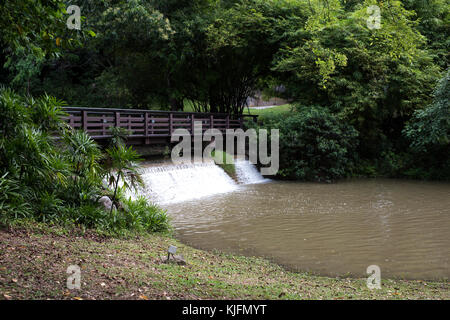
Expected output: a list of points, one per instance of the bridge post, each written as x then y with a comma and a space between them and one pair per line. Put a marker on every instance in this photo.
152, 131
117, 119
104, 122
146, 123
170, 123
192, 124
71, 120
211, 121
85, 120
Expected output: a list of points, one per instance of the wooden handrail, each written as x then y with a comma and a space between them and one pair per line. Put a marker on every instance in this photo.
146, 124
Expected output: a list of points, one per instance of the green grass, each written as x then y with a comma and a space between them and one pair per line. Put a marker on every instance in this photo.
33, 263
226, 163
285, 108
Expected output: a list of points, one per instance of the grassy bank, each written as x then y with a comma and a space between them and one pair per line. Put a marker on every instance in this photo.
285, 108
33, 263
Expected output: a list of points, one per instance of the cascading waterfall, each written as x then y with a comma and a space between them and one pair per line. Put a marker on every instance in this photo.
177, 183
247, 173
169, 183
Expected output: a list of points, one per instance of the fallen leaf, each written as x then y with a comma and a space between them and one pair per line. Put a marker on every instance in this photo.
7, 297
143, 297
77, 298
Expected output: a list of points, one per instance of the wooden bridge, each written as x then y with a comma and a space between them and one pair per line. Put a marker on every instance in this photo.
146, 126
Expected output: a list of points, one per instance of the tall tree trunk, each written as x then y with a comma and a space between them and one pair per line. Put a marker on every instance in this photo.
176, 104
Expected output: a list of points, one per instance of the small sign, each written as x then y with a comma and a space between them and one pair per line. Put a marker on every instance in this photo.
172, 249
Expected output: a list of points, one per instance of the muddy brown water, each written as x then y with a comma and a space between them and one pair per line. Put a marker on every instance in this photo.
329, 229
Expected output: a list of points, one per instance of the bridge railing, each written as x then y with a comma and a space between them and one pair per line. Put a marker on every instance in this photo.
146, 123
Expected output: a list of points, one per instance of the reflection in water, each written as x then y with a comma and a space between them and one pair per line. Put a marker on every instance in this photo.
334, 229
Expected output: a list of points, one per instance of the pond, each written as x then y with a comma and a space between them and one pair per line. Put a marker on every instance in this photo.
328, 229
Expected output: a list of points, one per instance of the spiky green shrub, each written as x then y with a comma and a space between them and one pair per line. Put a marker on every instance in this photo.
141, 215
53, 174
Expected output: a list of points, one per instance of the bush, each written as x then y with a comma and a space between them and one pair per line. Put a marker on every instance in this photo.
314, 144
53, 174
141, 215
12, 202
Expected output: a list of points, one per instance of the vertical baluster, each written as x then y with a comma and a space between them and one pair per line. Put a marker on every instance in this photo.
146, 124
72, 120
85, 120
117, 119
103, 125
170, 123
152, 120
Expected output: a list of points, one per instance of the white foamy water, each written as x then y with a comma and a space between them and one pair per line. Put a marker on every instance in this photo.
247, 173
177, 183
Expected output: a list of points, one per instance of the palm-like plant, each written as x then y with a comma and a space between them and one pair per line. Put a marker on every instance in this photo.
84, 155
13, 113
123, 168
118, 136
47, 113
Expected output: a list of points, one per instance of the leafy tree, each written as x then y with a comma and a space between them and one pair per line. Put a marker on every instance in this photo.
433, 17
430, 127
34, 25
242, 39
374, 79
32, 32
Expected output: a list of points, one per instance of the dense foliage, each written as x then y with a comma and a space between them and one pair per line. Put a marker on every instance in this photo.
314, 144
429, 134
51, 173
211, 55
